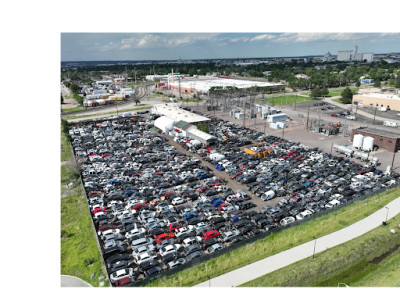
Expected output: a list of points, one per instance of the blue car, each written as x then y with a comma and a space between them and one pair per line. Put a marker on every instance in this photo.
190, 215
202, 175
218, 203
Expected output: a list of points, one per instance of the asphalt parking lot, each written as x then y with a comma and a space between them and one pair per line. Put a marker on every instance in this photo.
158, 201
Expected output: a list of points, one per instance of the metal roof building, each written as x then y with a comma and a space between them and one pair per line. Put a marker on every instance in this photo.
173, 111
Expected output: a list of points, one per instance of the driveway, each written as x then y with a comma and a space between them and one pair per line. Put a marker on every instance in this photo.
285, 258
71, 281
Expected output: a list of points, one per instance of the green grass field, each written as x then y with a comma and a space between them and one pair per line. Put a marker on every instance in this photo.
278, 242
80, 255
284, 100
334, 93
371, 260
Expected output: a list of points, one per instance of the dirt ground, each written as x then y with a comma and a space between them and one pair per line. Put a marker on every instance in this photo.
69, 103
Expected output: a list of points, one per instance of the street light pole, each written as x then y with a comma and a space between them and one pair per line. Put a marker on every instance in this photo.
315, 243
387, 213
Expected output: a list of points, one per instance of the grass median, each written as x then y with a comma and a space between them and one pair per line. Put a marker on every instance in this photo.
371, 260
80, 255
278, 242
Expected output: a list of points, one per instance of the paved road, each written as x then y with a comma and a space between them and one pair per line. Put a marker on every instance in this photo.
285, 258
359, 111
71, 281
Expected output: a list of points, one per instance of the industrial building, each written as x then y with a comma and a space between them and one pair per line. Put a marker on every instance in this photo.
383, 139
173, 111
203, 86
353, 55
391, 101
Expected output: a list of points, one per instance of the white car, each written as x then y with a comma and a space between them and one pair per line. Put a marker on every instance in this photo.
183, 230
147, 256
135, 232
143, 249
178, 200
103, 233
169, 249
214, 248
287, 221
332, 203
128, 272
190, 241
227, 236
303, 214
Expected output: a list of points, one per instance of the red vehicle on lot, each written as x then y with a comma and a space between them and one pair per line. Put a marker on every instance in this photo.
210, 234
164, 236
124, 282
139, 205
107, 227
174, 226
99, 209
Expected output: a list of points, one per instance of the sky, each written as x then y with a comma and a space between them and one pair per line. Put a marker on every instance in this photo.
77, 46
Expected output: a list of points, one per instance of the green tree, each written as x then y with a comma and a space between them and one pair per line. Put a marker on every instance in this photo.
397, 82
358, 83
377, 83
316, 92
347, 96
62, 99
324, 92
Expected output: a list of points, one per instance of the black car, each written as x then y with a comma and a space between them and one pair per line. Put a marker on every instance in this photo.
122, 264
237, 240
194, 255
117, 257
191, 249
148, 265
209, 242
153, 271
114, 250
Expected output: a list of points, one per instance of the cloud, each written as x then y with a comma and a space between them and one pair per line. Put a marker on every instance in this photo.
263, 37
147, 41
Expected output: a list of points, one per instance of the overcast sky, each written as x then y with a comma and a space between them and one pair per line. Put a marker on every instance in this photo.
148, 46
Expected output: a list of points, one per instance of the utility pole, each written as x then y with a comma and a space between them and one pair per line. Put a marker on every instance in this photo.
265, 126
394, 153
135, 74
244, 114
179, 80
283, 132
308, 114
376, 107
295, 102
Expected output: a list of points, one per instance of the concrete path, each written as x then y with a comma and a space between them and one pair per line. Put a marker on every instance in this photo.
71, 281
285, 258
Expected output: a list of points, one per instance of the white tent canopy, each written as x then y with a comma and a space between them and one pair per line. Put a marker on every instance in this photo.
165, 124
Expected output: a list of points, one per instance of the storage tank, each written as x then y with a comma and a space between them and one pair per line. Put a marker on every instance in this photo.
358, 140
368, 143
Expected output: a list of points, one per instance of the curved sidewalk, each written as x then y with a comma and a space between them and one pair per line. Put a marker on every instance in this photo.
72, 281
285, 258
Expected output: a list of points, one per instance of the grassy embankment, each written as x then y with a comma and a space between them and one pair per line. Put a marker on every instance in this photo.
80, 255
371, 260
139, 107
279, 242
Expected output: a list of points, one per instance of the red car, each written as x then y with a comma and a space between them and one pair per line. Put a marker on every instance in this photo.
99, 209
164, 236
107, 227
124, 282
334, 115
174, 226
210, 234
139, 205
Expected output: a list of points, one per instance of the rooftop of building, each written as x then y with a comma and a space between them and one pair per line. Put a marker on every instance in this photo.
173, 111
378, 132
380, 95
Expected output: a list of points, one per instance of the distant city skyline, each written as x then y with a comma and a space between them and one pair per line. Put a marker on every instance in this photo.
172, 46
